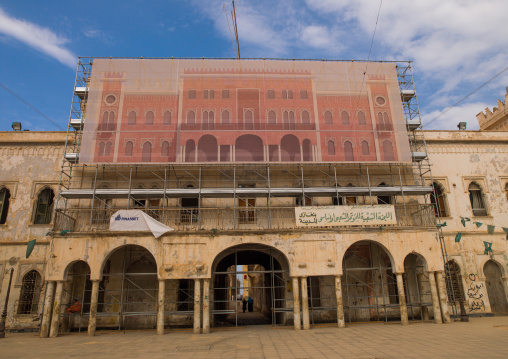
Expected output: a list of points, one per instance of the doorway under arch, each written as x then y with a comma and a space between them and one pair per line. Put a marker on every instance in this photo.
417, 287
129, 290
495, 288
77, 288
256, 271
369, 286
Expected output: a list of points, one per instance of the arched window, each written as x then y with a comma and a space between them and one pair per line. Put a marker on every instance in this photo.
476, 199
284, 94
29, 295
361, 118
380, 118
453, 281
285, 118
439, 205
211, 120
305, 117
365, 148
290, 94
348, 151
272, 117
331, 148
166, 118
111, 121
102, 146
44, 207
328, 118
104, 124
291, 120
388, 151
147, 152
307, 150
5, 195
225, 116
191, 118
248, 119
131, 120
165, 149
386, 120
149, 118
128, 148
344, 116
107, 150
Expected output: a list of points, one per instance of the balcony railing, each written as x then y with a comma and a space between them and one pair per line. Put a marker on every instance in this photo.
248, 126
224, 218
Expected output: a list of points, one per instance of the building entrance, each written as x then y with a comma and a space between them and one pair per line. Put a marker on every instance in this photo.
251, 286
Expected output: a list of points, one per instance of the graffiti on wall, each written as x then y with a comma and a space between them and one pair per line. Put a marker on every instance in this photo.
475, 297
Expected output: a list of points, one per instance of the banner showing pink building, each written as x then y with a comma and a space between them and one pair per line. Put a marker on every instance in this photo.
175, 111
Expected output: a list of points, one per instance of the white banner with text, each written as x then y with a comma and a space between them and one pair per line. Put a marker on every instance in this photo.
324, 216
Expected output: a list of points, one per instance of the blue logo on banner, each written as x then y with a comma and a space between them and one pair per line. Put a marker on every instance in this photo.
120, 218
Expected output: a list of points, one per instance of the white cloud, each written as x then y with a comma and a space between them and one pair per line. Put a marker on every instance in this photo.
317, 36
39, 38
449, 120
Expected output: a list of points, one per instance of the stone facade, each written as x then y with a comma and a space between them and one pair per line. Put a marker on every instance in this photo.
307, 275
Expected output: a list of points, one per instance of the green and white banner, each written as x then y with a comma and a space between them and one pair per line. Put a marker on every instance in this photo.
345, 216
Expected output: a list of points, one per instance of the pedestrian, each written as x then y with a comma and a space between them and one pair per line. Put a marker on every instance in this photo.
250, 302
244, 304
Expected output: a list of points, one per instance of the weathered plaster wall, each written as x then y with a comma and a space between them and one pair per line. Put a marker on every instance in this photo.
459, 158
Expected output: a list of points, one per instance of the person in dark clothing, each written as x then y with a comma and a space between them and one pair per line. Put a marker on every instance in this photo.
244, 304
250, 303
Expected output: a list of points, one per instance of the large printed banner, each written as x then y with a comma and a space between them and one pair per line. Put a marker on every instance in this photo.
345, 215
213, 110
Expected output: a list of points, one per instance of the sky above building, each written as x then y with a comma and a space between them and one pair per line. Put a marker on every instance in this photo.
456, 45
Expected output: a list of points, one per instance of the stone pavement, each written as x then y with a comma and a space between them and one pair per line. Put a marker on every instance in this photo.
480, 338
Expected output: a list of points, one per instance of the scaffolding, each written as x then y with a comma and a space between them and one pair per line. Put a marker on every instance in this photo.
254, 196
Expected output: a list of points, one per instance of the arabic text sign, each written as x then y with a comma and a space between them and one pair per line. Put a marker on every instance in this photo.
345, 216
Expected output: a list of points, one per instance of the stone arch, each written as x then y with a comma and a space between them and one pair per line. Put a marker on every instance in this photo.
207, 149
369, 271
290, 148
132, 271
493, 272
108, 253
249, 148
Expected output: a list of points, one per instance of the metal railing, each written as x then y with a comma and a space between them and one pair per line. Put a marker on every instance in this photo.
223, 218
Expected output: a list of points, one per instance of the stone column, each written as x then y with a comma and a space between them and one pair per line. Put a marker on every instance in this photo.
296, 304
197, 306
443, 297
55, 319
402, 299
435, 298
340, 308
160, 307
92, 321
425, 311
206, 306
305, 305
46, 315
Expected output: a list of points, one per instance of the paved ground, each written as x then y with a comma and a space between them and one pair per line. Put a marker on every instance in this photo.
481, 338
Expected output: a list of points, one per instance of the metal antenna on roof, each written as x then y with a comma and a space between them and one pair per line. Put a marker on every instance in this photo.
233, 15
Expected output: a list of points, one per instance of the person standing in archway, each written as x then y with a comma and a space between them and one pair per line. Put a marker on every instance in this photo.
250, 303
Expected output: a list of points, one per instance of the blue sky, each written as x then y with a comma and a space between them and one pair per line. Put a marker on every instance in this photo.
456, 45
